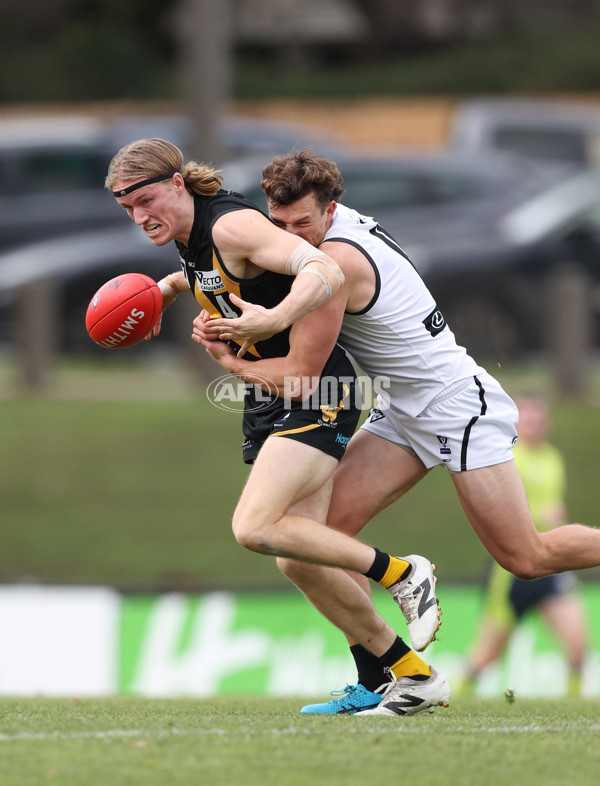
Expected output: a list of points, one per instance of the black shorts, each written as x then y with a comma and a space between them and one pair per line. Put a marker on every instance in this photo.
326, 421
525, 595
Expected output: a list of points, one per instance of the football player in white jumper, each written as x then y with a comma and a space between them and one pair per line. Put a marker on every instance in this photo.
440, 407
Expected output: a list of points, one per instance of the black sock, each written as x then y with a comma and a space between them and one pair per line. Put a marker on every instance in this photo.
370, 671
396, 651
380, 564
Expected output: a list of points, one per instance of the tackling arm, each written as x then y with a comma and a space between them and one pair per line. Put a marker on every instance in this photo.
267, 247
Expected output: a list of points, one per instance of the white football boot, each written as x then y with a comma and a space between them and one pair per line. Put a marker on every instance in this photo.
417, 600
407, 696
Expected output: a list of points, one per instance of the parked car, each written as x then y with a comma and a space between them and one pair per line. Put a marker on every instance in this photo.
541, 129
54, 209
51, 178
52, 168
401, 189
483, 232
240, 137
490, 281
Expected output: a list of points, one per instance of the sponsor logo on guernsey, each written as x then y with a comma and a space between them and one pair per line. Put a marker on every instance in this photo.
209, 280
435, 322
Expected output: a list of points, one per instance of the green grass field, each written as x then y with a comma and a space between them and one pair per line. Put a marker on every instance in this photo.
266, 742
130, 478
133, 482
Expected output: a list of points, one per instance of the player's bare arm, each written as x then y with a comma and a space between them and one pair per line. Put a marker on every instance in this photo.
358, 288
170, 287
249, 243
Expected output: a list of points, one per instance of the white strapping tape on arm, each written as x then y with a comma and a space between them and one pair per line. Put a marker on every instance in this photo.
303, 255
321, 275
168, 288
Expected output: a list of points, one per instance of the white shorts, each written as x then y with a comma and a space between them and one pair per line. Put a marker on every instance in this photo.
471, 424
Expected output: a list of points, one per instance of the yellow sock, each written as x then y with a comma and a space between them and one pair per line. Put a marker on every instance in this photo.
410, 665
395, 569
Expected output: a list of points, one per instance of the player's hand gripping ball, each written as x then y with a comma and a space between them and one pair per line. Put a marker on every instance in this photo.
124, 310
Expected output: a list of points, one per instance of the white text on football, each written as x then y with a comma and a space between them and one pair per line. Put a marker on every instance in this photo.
124, 330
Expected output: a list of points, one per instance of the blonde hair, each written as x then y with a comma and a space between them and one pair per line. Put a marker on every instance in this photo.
147, 158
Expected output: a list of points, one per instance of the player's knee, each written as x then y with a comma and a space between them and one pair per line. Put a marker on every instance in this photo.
245, 531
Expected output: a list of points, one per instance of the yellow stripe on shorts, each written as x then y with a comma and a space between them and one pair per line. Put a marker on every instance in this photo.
295, 430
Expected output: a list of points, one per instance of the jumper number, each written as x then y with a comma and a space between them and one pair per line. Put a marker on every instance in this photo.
225, 307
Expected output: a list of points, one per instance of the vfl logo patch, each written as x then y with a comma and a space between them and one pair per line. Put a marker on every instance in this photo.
444, 449
376, 414
435, 322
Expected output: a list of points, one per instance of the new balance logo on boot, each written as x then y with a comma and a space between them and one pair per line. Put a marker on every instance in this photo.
416, 598
407, 696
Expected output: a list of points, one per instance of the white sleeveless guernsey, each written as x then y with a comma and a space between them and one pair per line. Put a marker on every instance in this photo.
401, 335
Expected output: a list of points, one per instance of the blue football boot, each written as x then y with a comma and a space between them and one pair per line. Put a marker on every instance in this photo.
354, 698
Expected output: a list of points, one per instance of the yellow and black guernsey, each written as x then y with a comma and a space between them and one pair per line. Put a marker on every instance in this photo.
328, 420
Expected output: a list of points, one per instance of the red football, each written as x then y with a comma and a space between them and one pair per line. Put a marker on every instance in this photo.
123, 311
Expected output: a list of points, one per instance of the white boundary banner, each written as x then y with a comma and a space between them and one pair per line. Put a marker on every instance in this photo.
76, 641
58, 641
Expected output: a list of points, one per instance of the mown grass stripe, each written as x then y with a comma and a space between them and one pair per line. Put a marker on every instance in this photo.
363, 729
